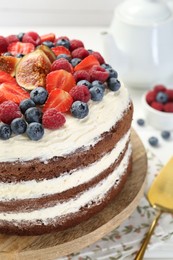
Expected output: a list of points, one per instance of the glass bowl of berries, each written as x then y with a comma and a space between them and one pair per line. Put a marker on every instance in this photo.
158, 107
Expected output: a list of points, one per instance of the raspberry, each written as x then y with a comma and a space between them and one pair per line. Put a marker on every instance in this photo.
157, 105
74, 44
12, 38
80, 53
159, 88
32, 37
98, 73
169, 92
62, 64
3, 44
168, 107
9, 110
52, 119
150, 96
81, 74
98, 56
80, 93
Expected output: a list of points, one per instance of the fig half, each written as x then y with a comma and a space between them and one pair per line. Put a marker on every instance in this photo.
50, 54
8, 64
31, 71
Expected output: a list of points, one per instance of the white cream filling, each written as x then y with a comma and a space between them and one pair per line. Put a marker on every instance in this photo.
73, 135
34, 189
95, 194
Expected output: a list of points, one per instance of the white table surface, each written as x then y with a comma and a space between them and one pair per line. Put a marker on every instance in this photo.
93, 40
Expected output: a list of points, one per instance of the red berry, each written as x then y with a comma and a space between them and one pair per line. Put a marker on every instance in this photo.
87, 63
98, 56
98, 73
62, 64
157, 105
32, 37
150, 97
159, 88
52, 119
169, 92
58, 99
168, 107
74, 44
5, 77
80, 53
80, 93
9, 110
47, 37
81, 74
12, 38
3, 44
20, 47
60, 50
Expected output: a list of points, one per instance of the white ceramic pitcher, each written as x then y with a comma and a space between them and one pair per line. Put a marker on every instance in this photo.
139, 43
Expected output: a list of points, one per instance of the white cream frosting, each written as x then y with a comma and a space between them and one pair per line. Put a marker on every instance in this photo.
96, 194
36, 189
74, 134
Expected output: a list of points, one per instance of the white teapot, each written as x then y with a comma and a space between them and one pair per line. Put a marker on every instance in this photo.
139, 44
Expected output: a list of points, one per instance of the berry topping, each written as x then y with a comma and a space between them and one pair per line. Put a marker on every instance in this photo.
31, 37
112, 73
39, 95
161, 97
98, 73
65, 56
98, 56
5, 77
114, 84
60, 79
75, 44
47, 37
18, 126
9, 110
85, 83
159, 88
52, 119
3, 44
75, 61
140, 122
87, 63
169, 93
12, 38
58, 99
153, 141
63, 42
80, 93
96, 93
62, 64
79, 109
20, 36
81, 75
157, 106
165, 134
25, 104
80, 53
33, 114
61, 50
168, 107
5, 132
35, 131
20, 47
150, 97
48, 44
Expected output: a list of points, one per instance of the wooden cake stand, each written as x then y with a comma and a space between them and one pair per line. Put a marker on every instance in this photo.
52, 246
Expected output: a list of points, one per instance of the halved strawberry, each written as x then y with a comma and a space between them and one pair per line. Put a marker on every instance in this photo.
87, 63
13, 92
58, 99
60, 79
21, 47
61, 50
5, 77
48, 37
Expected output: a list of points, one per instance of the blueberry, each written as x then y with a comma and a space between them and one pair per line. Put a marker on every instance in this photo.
65, 56
97, 83
79, 109
114, 84
63, 42
112, 73
165, 134
39, 95
20, 36
84, 82
5, 132
153, 141
7, 54
161, 97
48, 44
140, 122
25, 104
18, 126
75, 61
35, 131
20, 55
90, 51
106, 66
96, 93
33, 114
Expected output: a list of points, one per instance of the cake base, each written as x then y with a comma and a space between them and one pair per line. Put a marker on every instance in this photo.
48, 247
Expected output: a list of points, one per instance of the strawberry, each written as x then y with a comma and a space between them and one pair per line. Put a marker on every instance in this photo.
58, 99
47, 37
87, 63
12, 38
60, 79
60, 50
20, 47
5, 77
31, 37
13, 92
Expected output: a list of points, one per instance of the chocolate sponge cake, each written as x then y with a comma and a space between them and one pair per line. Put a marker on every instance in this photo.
74, 153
